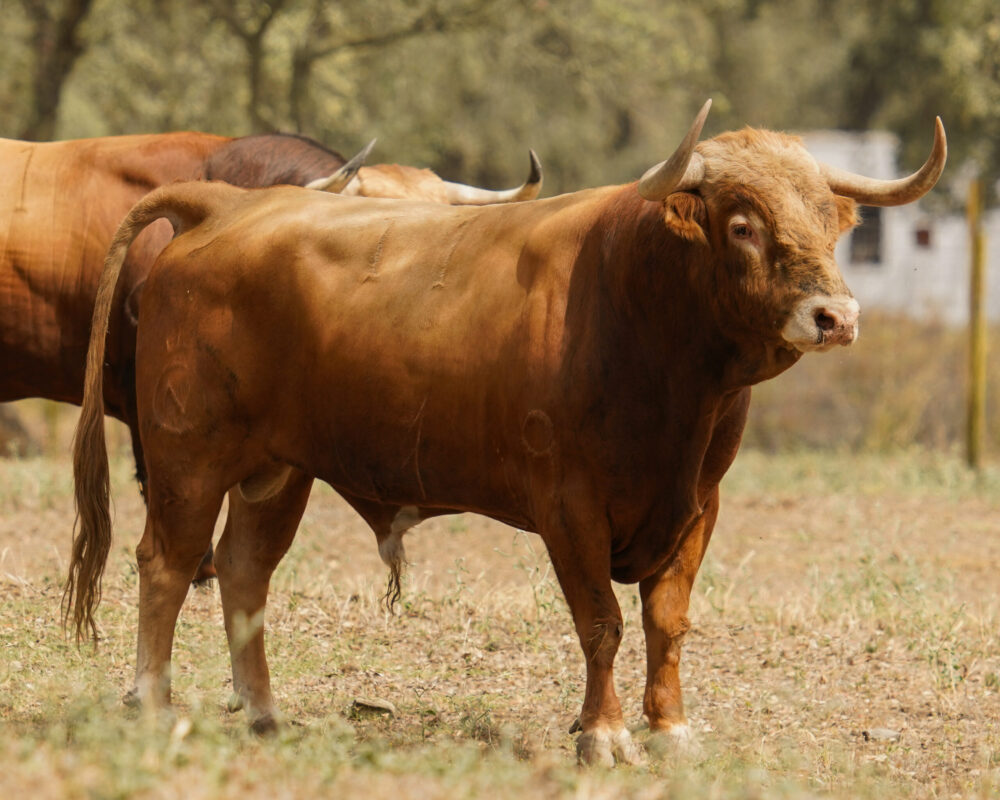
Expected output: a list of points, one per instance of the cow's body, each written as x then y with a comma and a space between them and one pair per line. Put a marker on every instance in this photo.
578, 366
60, 204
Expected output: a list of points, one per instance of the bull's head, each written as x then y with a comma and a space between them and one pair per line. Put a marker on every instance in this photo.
772, 215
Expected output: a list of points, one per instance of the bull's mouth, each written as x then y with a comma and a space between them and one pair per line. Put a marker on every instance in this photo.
822, 322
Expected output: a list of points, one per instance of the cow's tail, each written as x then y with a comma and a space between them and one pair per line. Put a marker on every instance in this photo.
184, 205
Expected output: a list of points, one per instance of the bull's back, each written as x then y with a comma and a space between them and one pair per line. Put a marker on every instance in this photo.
60, 204
371, 340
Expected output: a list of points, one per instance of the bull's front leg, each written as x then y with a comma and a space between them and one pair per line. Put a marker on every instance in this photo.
581, 556
665, 597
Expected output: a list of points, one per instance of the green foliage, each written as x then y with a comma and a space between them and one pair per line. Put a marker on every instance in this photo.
602, 89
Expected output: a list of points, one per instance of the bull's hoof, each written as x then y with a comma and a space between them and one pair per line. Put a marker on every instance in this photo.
677, 740
606, 748
131, 698
235, 703
265, 725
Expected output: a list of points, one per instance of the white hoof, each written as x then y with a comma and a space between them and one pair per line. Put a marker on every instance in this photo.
679, 739
606, 748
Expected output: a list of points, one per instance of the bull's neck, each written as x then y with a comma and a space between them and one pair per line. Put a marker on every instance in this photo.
658, 301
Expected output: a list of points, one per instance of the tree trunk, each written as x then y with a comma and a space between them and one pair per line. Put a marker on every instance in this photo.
57, 47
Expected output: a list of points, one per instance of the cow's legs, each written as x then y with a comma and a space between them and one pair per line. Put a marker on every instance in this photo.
257, 535
179, 526
581, 556
665, 596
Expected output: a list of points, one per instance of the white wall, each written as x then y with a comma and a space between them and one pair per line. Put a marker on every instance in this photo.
921, 281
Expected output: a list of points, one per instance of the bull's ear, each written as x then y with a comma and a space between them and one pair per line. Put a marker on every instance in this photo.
686, 216
847, 213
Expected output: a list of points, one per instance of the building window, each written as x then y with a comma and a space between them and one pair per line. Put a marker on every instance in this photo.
866, 239
922, 236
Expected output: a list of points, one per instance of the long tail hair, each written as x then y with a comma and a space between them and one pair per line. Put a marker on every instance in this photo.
184, 205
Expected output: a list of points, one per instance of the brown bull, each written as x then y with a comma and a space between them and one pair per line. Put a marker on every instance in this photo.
578, 366
61, 202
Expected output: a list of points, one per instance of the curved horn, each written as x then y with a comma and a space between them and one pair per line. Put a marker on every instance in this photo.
338, 181
874, 192
684, 170
460, 194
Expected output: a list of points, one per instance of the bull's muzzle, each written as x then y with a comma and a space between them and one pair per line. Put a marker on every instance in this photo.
821, 322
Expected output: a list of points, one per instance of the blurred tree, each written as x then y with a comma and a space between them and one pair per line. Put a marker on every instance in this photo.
598, 88
771, 63
913, 59
601, 88
249, 23
156, 65
353, 28
54, 26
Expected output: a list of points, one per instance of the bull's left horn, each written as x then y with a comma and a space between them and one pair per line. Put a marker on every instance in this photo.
874, 192
460, 194
338, 181
684, 170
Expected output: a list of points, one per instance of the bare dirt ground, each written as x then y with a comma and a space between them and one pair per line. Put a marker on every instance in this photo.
845, 643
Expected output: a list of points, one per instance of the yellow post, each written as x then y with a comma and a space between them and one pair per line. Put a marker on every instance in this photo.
976, 418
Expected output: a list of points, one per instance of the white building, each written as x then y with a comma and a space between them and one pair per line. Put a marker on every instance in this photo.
904, 259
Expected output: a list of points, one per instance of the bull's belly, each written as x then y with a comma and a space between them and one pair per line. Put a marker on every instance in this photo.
412, 466
43, 338
38, 372
412, 477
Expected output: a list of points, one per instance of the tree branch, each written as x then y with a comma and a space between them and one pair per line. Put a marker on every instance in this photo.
431, 21
252, 38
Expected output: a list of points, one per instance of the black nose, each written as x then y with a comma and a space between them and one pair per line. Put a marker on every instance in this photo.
825, 321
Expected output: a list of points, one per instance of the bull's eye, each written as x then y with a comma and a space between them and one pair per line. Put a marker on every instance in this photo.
742, 231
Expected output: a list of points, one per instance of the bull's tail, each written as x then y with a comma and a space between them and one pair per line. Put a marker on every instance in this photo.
184, 205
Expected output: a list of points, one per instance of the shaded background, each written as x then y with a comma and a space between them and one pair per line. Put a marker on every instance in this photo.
601, 89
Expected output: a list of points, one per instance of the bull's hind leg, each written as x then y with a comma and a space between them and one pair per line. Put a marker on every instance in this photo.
179, 524
258, 532
665, 596
206, 569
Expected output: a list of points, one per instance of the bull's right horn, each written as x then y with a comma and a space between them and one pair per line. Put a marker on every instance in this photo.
338, 181
684, 170
465, 195
874, 192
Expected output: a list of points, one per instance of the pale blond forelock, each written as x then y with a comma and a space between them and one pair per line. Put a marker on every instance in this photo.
778, 168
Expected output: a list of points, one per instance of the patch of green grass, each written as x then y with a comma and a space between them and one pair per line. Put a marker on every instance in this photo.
820, 472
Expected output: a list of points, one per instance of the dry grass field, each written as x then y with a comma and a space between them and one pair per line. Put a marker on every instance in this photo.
845, 644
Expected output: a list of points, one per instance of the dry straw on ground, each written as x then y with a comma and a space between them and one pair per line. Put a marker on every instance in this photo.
844, 644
